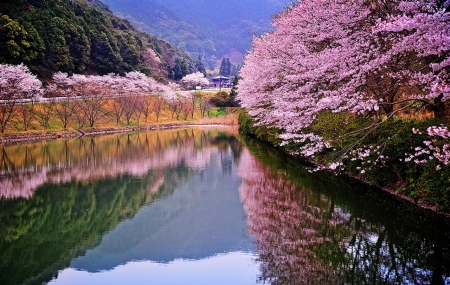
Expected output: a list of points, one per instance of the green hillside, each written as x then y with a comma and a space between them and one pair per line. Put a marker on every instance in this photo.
78, 36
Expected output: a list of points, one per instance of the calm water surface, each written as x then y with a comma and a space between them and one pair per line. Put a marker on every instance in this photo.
202, 206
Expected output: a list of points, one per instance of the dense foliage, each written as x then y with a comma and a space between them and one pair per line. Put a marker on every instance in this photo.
80, 37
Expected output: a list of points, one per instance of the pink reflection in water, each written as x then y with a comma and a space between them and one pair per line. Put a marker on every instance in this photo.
23, 168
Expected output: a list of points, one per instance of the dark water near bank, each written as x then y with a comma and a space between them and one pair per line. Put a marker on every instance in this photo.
202, 206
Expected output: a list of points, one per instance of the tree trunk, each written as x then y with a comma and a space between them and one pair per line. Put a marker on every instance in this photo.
439, 108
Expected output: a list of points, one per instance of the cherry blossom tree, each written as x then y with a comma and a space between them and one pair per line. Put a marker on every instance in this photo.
117, 109
187, 108
91, 92
122, 89
158, 107
16, 84
88, 94
139, 83
175, 107
417, 36
365, 58
288, 74
195, 79
62, 96
204, 105
146, 106
435, 148
80, 97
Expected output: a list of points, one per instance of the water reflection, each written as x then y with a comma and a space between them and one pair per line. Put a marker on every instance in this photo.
25, 167
222, 269
202, 218
197, 206
96, 199
309, 229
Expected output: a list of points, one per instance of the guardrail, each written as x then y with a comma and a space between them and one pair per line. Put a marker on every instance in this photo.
59, 99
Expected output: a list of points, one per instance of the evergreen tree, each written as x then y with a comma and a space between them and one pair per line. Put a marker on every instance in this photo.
225, 67
232, 101
199, 67
181, 68
16, 43
235, 69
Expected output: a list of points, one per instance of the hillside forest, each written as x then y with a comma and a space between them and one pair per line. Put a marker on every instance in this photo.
83, 37
211, 29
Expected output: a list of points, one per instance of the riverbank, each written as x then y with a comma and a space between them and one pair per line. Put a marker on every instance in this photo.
424, 185
32, 136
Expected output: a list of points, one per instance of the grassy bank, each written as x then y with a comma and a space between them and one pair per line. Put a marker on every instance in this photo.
422, 183
42, 122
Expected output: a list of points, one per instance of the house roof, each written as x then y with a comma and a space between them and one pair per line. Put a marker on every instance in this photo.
220, 77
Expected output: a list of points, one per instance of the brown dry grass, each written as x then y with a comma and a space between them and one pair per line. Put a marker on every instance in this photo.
15, 126
230, 119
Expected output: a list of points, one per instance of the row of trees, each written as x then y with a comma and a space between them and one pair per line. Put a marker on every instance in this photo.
366, 59
84, 100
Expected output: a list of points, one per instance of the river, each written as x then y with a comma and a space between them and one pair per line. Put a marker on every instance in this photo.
202, 206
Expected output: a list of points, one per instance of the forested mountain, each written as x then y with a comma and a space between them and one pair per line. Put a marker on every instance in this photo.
209, 28
78, 36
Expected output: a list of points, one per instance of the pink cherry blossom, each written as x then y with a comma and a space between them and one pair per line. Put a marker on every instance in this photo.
346, 56
195, 79
17, 82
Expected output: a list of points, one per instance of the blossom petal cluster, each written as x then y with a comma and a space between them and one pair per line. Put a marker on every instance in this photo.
436, 147
112, 84
195, 79
17, 82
